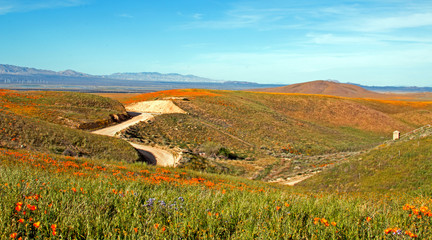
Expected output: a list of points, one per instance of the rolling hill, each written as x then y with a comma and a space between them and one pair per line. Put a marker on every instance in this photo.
53, 122
47, 195
396, 166
325, 88
259, 129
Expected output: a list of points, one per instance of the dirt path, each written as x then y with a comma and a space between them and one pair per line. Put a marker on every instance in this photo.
158, 106
112, 130
294, 180
142, 111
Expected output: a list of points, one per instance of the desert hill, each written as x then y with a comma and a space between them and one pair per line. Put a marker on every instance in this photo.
325, 88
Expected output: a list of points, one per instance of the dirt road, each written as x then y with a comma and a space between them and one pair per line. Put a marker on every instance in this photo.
142, 112
112, 130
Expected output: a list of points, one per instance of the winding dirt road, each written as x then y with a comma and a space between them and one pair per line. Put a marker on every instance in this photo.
143, 112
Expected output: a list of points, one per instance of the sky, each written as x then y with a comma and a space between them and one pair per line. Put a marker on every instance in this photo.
385, 42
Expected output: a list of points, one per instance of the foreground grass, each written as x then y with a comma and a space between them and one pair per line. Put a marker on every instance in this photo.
48, 196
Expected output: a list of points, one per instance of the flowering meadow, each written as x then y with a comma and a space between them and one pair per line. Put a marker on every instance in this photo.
102, 192
56, 197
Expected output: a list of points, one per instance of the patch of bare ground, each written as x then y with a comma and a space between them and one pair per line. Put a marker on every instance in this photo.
142, 111
157, 106
293, 170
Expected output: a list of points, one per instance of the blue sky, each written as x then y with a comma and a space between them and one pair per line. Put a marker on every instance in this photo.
386, 42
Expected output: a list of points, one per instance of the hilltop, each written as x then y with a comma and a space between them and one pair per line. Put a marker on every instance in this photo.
324, 88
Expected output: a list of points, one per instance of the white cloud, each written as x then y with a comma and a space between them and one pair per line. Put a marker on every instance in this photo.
384, 24
197, 16
9, 6
125, 15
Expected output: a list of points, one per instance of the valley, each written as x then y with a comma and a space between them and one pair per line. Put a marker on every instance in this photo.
212, 164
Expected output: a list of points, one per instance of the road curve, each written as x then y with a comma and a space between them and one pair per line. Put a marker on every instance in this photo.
154, 155
112, 130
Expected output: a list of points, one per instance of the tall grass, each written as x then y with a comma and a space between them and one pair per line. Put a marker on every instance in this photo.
74, 198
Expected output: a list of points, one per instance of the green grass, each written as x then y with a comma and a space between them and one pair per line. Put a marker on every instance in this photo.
259, 127
75, 110
42, 121
106, 195
110, 201
402, 166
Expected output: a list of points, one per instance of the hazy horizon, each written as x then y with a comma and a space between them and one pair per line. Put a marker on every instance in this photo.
381, 43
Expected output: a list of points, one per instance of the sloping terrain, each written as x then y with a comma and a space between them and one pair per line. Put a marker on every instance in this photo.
259, 128
76, 110
47, 196
324, 88
46, 122
396, 166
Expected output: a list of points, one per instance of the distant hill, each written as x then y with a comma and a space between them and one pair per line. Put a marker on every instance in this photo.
155, 76
395, 89
325, 88
142, 76
15, 77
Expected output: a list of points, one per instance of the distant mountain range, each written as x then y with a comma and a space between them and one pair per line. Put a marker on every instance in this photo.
31, 78
15, 77
141, 76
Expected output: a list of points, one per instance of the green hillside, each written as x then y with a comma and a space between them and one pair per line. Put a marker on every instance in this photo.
249, 131
45, 121
404, 166
103, 194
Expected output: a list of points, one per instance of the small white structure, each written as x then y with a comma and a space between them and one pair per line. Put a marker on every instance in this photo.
396, 135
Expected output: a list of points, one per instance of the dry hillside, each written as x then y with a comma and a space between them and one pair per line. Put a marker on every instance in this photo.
325, 88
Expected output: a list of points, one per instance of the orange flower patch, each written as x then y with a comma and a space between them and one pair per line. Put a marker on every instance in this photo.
190, 93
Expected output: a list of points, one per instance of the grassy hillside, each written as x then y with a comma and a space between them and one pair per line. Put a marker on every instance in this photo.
75, 110
74, 198
264, 127
404, 166
46, 195
42, 121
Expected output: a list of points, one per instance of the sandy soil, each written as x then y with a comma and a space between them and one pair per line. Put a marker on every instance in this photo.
142, 112
158, 106
112, 130
294, 180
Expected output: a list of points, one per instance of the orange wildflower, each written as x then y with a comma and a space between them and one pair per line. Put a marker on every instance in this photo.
18, 206
325, 222
14, 235
156, 225
278, 208
333, 223
33, 208
74, 189
36, 224
53, 227
136, 230
287, 205
21, 220
368, 219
